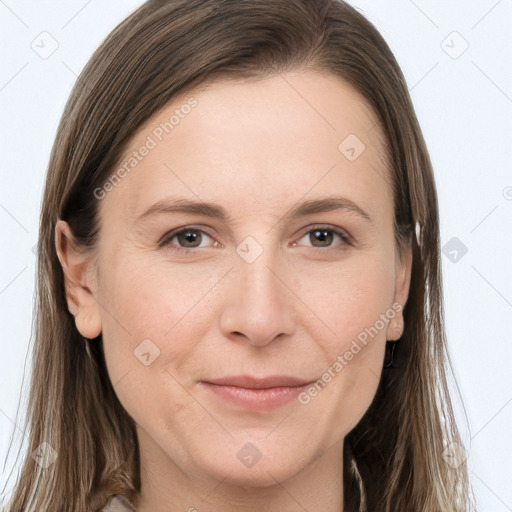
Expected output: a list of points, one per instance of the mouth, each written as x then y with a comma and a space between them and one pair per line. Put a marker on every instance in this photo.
257, 394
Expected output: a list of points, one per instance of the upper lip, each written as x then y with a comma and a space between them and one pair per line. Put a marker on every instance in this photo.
249, 382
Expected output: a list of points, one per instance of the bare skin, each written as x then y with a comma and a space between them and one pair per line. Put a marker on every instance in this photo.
259, 150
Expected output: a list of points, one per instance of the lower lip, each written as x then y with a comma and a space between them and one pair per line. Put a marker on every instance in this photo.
256, 399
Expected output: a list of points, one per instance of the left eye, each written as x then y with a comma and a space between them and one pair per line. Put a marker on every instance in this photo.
326, 236
191, 238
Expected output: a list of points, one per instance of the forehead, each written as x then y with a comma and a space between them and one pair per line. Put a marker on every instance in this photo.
258, 142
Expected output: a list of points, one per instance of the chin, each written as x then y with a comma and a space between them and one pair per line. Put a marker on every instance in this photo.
249, 466
260, 476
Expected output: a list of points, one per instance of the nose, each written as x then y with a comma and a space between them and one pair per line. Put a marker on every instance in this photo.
259, 306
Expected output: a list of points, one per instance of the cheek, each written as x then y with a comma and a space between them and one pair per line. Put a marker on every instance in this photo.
351, 301
155, 299
149, 333
169, 305
353, 305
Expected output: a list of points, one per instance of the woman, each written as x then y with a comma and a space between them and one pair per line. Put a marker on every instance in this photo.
240, 302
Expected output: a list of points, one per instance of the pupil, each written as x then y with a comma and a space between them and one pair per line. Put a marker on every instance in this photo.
189, 237
322, 236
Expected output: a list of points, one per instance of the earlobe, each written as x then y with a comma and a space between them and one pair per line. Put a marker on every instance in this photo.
76, 265
395, 328
88, 323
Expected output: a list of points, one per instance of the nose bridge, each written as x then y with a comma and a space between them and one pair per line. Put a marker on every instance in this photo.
261, 289
259, 307
259, 281
256, 258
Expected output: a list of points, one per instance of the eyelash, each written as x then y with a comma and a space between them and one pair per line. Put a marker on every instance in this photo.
166, 240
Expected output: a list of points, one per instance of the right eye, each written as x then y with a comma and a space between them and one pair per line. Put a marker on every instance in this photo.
188, 239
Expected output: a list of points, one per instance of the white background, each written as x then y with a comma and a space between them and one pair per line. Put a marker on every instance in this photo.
464, 106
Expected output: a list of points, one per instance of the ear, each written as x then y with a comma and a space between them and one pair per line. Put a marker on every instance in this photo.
403, 269
78, 269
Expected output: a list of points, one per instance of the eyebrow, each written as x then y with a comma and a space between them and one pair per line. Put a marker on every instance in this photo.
321, 205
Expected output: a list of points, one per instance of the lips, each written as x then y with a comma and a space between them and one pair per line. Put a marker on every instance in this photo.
253, 393
249, 382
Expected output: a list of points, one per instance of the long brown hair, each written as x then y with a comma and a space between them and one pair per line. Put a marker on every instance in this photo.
393, 458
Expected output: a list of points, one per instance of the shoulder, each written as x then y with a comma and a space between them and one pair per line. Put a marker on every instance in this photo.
117, 503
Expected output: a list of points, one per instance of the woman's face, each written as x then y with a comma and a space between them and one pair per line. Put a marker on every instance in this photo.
269, 285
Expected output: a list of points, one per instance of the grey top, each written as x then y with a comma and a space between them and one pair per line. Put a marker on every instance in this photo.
117, 503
